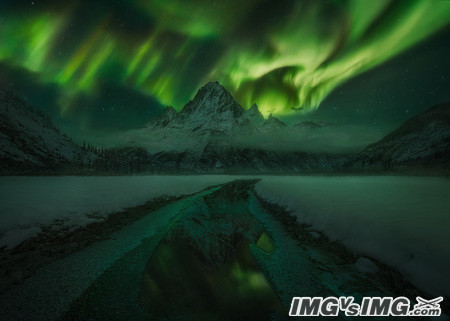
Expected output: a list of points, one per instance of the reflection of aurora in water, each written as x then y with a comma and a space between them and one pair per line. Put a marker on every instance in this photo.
175, 280
108, 280
203, 268
277, 55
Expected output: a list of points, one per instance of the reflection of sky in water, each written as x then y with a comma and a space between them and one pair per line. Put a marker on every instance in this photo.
176, 280
179, 275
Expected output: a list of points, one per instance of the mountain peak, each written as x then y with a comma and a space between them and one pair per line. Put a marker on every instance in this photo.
254, 115
254, 108
212, 88
213, 110
273, 121
166, 116
211, 85
169, 110
213, 98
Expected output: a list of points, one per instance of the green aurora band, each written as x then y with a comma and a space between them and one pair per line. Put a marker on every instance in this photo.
291, 61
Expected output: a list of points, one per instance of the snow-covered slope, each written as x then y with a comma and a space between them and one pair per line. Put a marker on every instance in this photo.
400, 221
29, 141
254, 115
167, 115
273, 124
213, 111
422, 141
79, 200
213, 133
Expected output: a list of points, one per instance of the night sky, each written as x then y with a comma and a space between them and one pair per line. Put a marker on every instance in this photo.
102, 67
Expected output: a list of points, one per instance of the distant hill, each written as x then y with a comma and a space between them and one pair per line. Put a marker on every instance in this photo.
422, 142
30, 143
313, 125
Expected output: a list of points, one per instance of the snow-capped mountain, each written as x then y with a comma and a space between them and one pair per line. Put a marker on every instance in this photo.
213, 133
29, 142
422, 141
272, 124
213, 111
254, 115
211, 116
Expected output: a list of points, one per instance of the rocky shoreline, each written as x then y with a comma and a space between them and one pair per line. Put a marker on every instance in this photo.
329, 259
389, 278
52, 244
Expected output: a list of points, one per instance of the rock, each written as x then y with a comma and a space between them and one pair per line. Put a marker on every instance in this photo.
73, 245
19, 257
365, 265
17, 276
314, 234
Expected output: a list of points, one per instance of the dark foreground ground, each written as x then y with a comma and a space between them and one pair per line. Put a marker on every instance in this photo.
220, 254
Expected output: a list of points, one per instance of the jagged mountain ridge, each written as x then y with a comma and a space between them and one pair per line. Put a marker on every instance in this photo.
214, 111
314, 125
30, 143
206, 136
212, 115
422, 141
201, 138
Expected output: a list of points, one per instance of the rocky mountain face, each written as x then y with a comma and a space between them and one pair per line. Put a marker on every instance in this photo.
421, 142
213, 111
30, 143
164, 119
313, 125
206, 137
201, 138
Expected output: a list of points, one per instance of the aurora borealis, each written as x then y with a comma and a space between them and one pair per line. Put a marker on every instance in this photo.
286, 56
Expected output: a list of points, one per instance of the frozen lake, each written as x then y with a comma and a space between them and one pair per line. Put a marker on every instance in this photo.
26, 203
400, 221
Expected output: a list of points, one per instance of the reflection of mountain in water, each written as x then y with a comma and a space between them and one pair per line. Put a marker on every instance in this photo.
203, 268
223, 254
